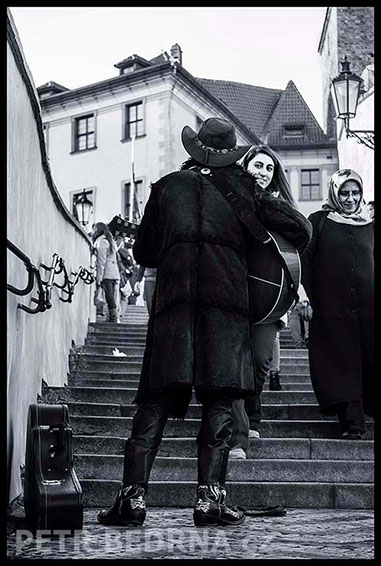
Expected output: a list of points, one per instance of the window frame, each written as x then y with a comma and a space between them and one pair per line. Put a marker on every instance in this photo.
126, 123
310, 185
74, 131
138, 180
290, 128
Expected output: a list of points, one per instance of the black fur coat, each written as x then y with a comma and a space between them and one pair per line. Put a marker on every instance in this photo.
199, 330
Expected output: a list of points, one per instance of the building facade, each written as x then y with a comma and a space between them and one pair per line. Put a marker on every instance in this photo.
349, 31
102, 135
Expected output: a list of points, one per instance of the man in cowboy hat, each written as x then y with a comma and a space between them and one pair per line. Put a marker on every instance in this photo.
199, 330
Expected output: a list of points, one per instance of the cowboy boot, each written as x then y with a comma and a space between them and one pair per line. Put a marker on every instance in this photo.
129, 508
211, 510
274, 384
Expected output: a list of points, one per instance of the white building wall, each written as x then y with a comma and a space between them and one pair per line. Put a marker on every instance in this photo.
168, 106
294, 161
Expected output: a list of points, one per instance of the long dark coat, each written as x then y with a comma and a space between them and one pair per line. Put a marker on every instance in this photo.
199, 330
338, 276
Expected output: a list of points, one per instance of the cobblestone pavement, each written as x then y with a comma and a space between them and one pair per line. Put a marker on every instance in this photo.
170, 533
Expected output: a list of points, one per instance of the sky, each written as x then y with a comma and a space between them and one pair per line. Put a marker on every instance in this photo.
77, 46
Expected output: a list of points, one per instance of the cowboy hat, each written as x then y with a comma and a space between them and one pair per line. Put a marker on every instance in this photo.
215, 144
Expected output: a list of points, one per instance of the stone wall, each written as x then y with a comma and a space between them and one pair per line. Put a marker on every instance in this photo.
39, 225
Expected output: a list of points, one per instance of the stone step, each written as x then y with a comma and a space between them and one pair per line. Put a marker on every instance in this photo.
120, 330
125, 396
270, 412
121, 426
107, 349
287, 360
130, 381
102, 349
277, 448
101, 493
185, 469
92, 339
116, 363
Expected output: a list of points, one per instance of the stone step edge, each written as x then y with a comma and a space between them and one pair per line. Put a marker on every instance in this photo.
130, 405
348, 496
262, 439
285, 461
282, 421
87, 387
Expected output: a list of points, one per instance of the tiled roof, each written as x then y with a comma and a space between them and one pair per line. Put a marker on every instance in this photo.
265, 111
292, 110
253, 105
159, 59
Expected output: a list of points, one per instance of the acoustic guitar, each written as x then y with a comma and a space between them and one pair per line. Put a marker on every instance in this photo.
270, 295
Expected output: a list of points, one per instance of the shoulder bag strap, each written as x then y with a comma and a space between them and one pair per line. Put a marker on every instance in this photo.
249, 219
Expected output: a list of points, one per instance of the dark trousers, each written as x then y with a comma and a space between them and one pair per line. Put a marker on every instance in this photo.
149, 287
212, 440
351, 416
262, 337
109, 287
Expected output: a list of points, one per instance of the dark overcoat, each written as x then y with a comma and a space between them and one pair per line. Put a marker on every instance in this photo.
199, 329
338, 277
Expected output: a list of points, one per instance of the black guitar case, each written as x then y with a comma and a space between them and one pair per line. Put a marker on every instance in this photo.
52, 492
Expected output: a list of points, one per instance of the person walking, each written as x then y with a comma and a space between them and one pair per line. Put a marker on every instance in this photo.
265, 166
338, 276
107, 271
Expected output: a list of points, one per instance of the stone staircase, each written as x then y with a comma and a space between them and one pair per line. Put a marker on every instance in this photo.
299, 461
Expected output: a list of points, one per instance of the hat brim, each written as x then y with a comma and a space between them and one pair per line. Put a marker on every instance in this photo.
205, 157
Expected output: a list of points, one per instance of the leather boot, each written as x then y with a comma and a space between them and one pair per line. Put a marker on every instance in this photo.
129, 508
211, 510
274, 384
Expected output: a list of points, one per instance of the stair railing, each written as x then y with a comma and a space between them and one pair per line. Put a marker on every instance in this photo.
44, 291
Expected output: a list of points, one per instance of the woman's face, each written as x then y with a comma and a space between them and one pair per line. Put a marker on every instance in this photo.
350, 196
262, 167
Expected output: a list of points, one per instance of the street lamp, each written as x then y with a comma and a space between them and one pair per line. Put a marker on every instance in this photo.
346, 89
83, 207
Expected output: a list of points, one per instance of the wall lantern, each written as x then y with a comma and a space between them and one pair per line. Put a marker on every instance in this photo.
83, 207
346, 89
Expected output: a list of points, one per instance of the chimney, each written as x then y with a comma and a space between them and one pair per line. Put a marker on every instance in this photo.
176, 53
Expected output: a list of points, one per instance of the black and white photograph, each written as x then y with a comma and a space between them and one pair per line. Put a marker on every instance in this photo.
190, 282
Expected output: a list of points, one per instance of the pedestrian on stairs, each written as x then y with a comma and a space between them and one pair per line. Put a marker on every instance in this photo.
338, 276
107, 271
265, 165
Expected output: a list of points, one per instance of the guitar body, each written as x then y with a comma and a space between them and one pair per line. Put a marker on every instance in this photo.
269, 293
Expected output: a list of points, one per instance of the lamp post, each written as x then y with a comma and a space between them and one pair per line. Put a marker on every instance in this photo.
83, 207
346, 89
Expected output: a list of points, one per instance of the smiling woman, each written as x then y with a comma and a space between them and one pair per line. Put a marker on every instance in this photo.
338, 276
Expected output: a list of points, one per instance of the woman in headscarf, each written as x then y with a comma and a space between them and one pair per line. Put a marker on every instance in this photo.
338, 276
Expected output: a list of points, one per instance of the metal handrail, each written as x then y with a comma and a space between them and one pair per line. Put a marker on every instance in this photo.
44, 291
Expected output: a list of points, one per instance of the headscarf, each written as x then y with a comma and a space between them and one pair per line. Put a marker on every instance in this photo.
337, 213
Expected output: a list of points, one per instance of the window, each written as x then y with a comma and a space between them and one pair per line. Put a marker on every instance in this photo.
293, 132
310, 184
84, 133
138, 201
134, 120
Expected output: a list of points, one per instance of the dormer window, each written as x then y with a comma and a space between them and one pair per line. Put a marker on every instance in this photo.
293, 132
